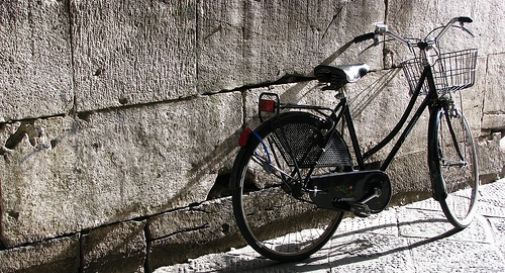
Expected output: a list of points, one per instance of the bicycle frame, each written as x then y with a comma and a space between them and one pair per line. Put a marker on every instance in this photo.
430, 101
341, 111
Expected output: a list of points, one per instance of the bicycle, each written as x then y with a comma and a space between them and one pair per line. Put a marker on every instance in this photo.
295, 170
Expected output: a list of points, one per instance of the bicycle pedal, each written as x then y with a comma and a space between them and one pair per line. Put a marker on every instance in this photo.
360, 210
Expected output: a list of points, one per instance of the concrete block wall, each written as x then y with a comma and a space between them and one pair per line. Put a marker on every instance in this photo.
119, 120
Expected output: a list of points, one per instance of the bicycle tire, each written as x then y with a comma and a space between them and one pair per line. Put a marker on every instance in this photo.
272, 221
454, 166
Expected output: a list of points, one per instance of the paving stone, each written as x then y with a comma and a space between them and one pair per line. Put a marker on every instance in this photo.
498, 228
35, 60
491, 206
493, 190
131, 52
53, 256
241, 260
384, 223
430, 224
369, 253
427, 204
491, 199
355, 253
369, 245
456, 256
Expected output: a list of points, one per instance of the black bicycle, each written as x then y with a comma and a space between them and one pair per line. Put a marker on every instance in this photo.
294, 177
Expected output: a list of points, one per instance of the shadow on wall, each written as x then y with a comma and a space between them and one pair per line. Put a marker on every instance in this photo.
362, 99
294, 94
222, 154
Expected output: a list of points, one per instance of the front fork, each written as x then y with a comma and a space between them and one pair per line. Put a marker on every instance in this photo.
439, 192
446, 105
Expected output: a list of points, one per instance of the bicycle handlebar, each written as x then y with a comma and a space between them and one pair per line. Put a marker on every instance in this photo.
461, 20
464, 19
364, 37
383, 29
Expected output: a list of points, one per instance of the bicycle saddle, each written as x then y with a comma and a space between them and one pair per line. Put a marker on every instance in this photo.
341, 74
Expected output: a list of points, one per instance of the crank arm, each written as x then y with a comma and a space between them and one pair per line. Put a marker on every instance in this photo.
376, 194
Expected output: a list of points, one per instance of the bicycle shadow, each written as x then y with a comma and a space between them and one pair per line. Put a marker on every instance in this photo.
218, 161
352, 251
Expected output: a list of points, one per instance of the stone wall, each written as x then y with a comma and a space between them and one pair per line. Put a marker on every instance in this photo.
119, 120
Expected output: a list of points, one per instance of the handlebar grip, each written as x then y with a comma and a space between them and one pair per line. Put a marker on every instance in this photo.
364, 37
464, 19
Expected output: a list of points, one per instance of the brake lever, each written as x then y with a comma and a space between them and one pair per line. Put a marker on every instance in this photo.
466, 30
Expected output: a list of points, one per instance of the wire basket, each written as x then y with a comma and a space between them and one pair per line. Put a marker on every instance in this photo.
452, 71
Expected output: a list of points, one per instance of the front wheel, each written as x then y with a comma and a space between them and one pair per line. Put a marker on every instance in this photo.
453, 166
272, 207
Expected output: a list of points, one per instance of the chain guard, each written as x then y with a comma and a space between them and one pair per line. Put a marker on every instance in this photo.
332, 191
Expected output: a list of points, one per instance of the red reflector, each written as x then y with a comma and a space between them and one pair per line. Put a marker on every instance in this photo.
267, 105
244, 136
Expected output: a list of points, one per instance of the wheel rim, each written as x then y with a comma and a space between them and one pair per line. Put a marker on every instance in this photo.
275, 220
459, 173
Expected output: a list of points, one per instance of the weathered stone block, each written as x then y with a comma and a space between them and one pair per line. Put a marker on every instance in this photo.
410, 174
491, 158
210, 227
54, 256
250, 42
296, 93
35, 60
376, 103
34, 198
189, 233
64, 175
474, 98
493, 122
130, 52
119, 248
494, 97
409, 18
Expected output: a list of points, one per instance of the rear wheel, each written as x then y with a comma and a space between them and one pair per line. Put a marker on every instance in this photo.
455, 167
272, 206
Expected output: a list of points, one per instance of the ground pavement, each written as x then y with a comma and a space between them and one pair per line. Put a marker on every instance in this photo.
411, 238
